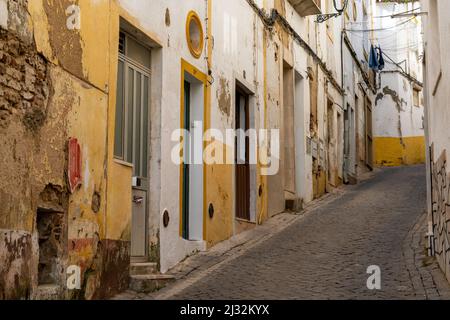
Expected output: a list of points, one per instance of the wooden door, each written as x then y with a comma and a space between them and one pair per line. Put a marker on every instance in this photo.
369, 136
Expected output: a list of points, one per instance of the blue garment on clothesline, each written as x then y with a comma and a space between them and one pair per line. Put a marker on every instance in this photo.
380, 59
373, 59
376, 60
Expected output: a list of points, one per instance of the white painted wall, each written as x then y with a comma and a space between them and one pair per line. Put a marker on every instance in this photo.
237, 35
237, 55
172, 247
437, 39
438, 46
402, 42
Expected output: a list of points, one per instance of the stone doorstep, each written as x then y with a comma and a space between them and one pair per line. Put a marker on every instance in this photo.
143, 268
150, 283
47, 292
145, 278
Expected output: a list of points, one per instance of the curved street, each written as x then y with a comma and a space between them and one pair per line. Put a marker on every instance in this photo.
325, 253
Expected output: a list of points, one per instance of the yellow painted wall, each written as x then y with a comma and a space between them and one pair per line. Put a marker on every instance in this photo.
82, 80
84, 52
118, 217
84, 76
91, 57
390, 152
219, 192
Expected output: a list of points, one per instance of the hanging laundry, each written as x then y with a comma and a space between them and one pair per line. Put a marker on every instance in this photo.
380, 59
373, 59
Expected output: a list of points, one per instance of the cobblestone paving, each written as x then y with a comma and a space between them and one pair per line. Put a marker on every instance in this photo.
325, 255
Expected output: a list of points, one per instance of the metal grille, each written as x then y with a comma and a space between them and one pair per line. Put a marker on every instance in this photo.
122, 43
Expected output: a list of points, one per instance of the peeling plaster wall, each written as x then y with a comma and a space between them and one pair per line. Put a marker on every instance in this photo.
437, 40
237, 59
249, 53
355, 98
274, 87
54, 85
76, 96
398, 123
27, 156
325, 41
240, 59
357, 90
83, 75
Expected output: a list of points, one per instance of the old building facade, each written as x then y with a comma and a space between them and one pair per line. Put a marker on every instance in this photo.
399, 137
103, 107
436, 75
360, 88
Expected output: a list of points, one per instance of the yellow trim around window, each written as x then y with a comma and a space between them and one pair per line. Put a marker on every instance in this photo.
193, 17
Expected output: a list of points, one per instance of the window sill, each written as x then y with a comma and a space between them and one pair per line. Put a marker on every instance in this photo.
245, 221
123, 163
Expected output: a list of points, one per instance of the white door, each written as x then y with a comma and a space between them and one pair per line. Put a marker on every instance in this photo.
193, 168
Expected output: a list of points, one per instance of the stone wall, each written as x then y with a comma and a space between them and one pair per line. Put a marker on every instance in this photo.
27, 150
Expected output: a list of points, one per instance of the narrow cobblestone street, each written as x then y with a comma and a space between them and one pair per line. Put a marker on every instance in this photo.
325, 253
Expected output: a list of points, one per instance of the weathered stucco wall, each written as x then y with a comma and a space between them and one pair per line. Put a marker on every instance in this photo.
29, 159
437, 75
55, 87
59, 83
398, 121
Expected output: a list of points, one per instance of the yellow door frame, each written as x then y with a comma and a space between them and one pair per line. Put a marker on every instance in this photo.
186, 67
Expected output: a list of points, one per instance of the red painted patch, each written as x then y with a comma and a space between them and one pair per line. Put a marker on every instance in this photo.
74, 170
80, 244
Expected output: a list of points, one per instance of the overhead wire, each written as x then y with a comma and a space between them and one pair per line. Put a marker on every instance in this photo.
396, 14
381, 29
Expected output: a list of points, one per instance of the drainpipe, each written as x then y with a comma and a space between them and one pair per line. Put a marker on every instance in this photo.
429, 163
208, 23
344, 105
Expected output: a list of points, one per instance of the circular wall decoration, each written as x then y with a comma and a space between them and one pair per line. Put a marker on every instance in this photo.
194, 34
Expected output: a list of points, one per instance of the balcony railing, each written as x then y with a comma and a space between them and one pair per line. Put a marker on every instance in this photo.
306, 7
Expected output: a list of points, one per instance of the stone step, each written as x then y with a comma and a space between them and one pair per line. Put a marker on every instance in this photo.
143, 268
150, 283
47, 292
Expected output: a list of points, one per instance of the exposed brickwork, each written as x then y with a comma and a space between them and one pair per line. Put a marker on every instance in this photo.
25, 90
24, 84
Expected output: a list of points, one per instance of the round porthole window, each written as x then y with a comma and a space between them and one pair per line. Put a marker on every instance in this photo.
194, 34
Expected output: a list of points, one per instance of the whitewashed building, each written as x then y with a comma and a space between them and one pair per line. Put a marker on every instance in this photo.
437, 83
399, 137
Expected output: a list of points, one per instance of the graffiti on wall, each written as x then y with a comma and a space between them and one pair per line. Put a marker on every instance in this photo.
441, 212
